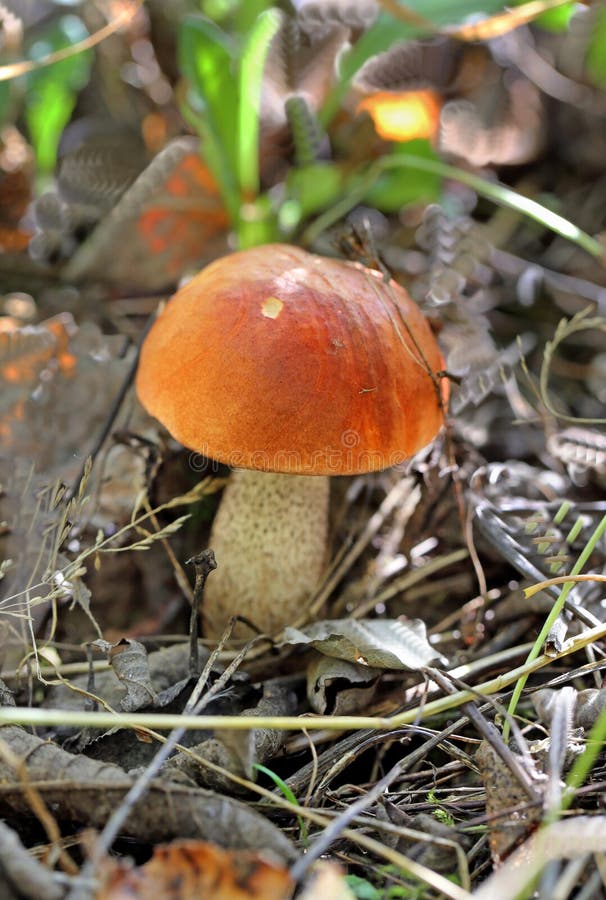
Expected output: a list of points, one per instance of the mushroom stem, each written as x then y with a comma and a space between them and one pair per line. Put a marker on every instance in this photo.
269, 537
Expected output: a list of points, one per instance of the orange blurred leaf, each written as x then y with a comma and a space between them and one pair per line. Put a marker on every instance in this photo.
189, 870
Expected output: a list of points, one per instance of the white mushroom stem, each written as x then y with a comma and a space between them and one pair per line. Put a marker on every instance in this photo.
269, 537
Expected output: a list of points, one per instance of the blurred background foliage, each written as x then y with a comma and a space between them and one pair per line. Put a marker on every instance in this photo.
213, 68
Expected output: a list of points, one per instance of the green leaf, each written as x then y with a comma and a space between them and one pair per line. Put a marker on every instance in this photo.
286, 791
72, 72
363, 889
51, 92
313, 188
494, 191
556, 19
209, 60
247, 13
251, 76
257, 223
400, 187
234, 15
46, 117
596, 55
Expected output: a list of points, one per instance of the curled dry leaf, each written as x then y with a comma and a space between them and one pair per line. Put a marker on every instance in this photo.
589, 705
316, 17
466, 131
337, 687
582, 450
403, 89
411, 65
382, 643
167, 667
130, 662
189, 870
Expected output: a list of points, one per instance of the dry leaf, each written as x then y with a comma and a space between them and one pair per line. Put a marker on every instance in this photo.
15, 189
317, 17
562, 840
130, 662
337, 687
238, 751
154, 224
589, 705
59, 383
581, 449
503, 126
86, 792
511, 817
382, 643
190, 870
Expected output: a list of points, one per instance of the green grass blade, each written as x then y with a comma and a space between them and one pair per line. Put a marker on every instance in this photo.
498, 193
553, 615
208, 58
288, 795
251, 76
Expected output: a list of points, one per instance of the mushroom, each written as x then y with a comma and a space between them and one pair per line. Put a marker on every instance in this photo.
289, 367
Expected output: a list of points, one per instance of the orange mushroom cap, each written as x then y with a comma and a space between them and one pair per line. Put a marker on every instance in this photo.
275, 359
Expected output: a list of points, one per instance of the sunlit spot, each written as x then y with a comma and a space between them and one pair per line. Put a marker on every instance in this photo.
403, 116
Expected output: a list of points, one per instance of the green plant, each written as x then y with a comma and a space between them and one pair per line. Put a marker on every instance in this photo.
51, 92
438, 811
288, 795
225, 73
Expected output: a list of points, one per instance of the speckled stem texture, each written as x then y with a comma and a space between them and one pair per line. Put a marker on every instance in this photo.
269, 538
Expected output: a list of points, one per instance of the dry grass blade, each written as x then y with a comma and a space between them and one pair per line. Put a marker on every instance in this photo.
14, 70
503, 23
562, 840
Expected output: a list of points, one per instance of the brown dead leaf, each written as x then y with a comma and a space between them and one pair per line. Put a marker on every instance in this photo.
511, 818
337, 687
188, 870
169, 219
26, 351
86, 792
15, 189
377, 643
130, 662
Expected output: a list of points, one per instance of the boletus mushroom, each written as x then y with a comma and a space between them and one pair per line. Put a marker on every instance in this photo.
289, 367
